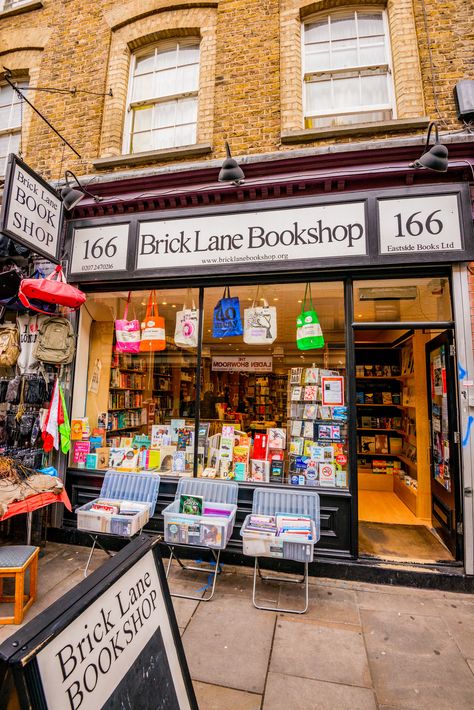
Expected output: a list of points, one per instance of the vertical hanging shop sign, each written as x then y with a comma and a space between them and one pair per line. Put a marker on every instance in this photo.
111, 642
32, 212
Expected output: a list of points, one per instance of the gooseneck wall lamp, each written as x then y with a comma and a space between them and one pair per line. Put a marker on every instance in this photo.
434, 158
230, 170
71, 196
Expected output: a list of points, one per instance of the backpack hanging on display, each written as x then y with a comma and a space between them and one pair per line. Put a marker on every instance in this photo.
227, 320
187, 324
9, 345
260, 323
153, 328
309, 335
52, 289
56, 342
127, 332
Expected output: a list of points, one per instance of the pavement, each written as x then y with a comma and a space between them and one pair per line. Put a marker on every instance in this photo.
359, 646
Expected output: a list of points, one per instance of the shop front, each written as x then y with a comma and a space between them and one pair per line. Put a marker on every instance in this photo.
320, 341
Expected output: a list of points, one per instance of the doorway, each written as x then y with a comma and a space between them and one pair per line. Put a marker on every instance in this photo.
407, 456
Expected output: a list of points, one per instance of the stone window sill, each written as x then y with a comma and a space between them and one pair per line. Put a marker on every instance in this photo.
186, 151
356, 129
27, 7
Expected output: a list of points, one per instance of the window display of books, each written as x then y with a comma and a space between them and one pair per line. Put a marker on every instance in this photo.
317, 429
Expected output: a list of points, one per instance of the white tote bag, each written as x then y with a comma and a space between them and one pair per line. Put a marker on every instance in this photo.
260, 324
187, 324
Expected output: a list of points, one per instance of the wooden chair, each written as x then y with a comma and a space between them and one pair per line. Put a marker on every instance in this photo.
15, 560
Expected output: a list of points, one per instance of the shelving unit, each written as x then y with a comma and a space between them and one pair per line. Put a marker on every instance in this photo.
126, 411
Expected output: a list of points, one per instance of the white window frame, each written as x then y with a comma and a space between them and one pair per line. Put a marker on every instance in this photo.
6, 5
11, 131
386, 69
130, 105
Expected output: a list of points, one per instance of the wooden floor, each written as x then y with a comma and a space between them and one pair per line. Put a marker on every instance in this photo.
385, 507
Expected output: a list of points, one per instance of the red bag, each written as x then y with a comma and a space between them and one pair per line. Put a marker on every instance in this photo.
52, 289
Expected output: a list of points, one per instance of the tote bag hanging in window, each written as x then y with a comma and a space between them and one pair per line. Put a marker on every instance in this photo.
227, 320
187, 324
260, 323
153, 328
127, 332
309, 335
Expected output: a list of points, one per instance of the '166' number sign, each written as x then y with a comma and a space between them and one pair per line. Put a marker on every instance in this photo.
100, 249
419, 224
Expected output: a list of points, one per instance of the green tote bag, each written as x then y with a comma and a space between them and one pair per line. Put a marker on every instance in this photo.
309, 335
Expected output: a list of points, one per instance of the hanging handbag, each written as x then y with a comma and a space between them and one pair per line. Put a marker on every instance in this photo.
227, 320
14, 304
52, 289
10, 280
260, 323
127, 332
187, 324
153, 328
309, 335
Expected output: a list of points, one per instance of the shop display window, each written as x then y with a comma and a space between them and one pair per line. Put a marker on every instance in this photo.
271, 409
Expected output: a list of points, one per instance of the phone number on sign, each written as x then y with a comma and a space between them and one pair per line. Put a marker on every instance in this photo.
97, 267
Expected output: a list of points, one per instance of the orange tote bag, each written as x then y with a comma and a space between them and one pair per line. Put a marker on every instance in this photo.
153, 328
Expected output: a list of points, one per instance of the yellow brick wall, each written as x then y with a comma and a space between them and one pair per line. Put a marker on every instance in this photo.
250, 75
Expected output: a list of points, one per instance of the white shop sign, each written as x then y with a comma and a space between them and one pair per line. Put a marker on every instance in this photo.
234, 363
82, 666
419, 224
316, 232
100, 249
32, 211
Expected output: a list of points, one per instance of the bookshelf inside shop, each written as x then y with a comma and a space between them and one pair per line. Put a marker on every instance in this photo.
391, 403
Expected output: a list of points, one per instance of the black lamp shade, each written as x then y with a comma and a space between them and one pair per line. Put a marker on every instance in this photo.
71, 197
230, 170
436, 158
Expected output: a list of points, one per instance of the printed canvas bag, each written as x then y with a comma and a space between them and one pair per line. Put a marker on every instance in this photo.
260, 323
309, 335
28, 327
227, 320
127, 332
187, 324
153, 328
56, 342
9, 345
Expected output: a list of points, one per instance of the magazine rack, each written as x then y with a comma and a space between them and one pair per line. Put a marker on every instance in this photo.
270, 502
118, 487
222, 493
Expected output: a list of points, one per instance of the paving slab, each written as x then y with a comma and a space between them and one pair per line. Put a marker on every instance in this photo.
325, 603
459, 618
408, 603
320, 650
215, 697
228, 643
415, 663
285, 691
470, 663
184, 610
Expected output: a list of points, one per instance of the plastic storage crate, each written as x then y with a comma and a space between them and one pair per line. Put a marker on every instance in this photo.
204, 531
271, 502
141, 489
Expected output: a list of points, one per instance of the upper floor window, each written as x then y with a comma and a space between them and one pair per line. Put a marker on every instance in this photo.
162, 104
10, 122
347, 76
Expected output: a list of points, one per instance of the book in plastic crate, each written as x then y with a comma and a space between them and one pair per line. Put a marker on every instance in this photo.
266, 544
207, 530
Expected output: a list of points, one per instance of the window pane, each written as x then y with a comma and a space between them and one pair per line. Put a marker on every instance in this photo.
165, 114
374, 89
188, 54
186, 111
141, 142
343, 27
344, 54
370, 24
145, 63
142, 118
370, 55
4, 143
318, 97
166, 59
423, 299
142, 87
5, 112
346, 92
187, 79
163, 138
185, 135
317, 32
318, 60
166, 83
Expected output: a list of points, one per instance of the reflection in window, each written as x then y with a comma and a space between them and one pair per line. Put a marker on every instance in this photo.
163, 97
395, 300
10, 122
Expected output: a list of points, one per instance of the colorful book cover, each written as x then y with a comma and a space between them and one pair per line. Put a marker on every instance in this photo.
325, 412
317, 452
310, 411
175, 426
80, 430
296, 445
277, 471
126, 442
367, 444
130, 460
259, 470
296, 427
324, 431
260, 442
310, 393
276, 455
296, 394
179, 462
116, 456
381, 443
341, 479
308, 430
153, 459
336, 432
240, 470
311, 376
308, 447
185, 438
312, 473
160, 435
91, 461
295, 375
276, 438
339, 414
190, 504
96, 442
80, 451
102, 457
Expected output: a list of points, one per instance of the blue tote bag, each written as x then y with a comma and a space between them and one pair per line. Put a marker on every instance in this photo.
227, 319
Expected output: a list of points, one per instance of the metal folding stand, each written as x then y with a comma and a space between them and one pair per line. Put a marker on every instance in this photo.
275, 578
213, 570
95, 542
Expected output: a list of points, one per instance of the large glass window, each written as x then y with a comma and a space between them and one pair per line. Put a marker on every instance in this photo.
163, 97
10, 122
346, 60
272, 402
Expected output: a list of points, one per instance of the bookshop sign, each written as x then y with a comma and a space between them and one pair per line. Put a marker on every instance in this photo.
386, 227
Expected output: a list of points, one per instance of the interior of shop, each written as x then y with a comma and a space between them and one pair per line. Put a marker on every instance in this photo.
274, 412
